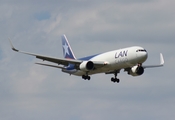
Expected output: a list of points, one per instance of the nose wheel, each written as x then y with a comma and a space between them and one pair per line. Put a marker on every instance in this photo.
115, 80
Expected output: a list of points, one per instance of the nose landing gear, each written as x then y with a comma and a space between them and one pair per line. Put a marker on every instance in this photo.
115, 79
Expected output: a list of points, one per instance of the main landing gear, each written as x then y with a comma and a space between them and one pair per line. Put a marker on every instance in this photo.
115, 79
86, 77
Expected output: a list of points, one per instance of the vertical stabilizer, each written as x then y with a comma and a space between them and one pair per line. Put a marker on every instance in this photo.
67, 51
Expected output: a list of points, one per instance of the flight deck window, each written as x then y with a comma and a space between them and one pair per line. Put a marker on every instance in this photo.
141, 50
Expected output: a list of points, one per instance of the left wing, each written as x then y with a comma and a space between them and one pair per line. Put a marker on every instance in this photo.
160, 65
61, 61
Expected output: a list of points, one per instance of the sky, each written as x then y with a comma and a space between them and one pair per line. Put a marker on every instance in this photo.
29, 91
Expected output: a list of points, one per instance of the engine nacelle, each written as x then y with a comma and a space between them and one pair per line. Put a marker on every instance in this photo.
86, 66
136, 71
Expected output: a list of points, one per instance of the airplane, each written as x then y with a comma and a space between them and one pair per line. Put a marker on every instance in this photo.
130, 59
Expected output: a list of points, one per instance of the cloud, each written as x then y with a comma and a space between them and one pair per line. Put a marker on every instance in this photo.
29, 91
42, 16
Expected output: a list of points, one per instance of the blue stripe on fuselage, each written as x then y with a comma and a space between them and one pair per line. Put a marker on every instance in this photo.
70, 67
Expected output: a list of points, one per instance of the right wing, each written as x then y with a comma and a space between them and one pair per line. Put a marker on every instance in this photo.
61, 61
49, 65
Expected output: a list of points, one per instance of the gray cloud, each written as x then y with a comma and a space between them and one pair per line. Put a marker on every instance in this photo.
28, 91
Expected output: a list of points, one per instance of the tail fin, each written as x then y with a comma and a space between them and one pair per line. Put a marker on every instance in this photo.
67, 51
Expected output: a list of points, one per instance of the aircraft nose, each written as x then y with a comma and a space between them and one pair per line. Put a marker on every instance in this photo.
145, 55
142, 56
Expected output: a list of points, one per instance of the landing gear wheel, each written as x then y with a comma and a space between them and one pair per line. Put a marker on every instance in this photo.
83, 77
86, 77
115, 80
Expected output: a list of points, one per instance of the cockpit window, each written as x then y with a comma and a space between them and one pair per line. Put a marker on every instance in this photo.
141, 50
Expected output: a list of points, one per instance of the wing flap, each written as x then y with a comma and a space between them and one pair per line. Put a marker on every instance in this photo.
56, 66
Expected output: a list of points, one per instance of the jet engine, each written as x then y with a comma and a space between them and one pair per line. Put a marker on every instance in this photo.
136, 71
86, 66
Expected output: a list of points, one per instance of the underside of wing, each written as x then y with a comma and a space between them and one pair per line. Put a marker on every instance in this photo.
61, 61
49, 65
113, 72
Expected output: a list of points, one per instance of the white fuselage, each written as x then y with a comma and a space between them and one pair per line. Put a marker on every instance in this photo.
116, 60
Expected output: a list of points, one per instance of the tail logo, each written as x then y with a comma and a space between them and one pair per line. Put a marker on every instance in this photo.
66, 49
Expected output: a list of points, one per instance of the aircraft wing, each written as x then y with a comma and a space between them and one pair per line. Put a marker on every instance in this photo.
160, 65
61, 61
49, 65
